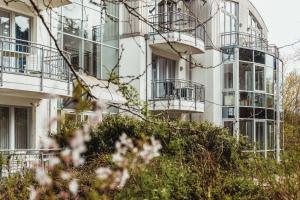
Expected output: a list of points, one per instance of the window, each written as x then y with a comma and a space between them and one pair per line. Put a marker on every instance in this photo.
4, 128
4, 24
246, 112
246, 55
259, 78
259, 57
229, 126
22, 128
246, 130
270, 101
246, 76
270, 135
228, 98
246, 99
228, 76
269, 80
260, 113
270, 114
269, 61
228, 112
260, 135
228, 54
260, 100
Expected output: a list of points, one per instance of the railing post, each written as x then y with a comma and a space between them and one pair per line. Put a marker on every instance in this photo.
1, 72
42, 70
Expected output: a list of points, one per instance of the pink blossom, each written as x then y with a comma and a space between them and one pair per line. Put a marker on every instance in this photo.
103, 173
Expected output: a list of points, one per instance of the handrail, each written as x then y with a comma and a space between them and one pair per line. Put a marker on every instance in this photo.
248, 40
177, 21
177, 89
32, 43
29, 58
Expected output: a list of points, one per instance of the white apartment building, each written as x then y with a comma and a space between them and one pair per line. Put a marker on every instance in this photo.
197, 60
207, 61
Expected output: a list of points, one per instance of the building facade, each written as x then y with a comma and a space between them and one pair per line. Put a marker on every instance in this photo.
207, 61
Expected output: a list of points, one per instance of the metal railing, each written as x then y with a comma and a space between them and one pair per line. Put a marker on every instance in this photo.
29, 58
249, 41
21, 160
175, 89
180, 22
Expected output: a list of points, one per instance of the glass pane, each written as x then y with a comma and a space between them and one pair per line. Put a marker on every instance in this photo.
72, 18
4, 24
270, 101
260, 113
246, 55
246, 99
109, 61
92, 23
260, 135
259, 78
270, 135
92, 58
246, 76
228, 76
260, 100
22, 27
269, 60
229, 126
228, 112
74, 46
269, 80
4, 128
111, 31
246, 130
21, 128
246, 112
228, 98
259, 57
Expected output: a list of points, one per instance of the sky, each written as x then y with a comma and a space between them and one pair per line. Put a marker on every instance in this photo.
283, 21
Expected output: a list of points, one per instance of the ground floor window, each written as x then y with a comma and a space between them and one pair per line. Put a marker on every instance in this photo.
15, 127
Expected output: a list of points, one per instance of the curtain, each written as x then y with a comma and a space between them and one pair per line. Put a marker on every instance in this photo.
4, 128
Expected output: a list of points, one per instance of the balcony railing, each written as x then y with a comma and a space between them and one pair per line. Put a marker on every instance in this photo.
249, 41
18, 161
174, 89
177, 22
29, 58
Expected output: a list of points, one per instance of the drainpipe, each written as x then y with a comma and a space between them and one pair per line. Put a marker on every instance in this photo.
146, 36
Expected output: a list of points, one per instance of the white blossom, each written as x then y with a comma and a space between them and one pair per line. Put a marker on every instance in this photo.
33, 193
73, 186
42, 177
103, 173
66, 152
76, 158
65, 175
123, 179
150, 151
118, 159
53, 161
48, 143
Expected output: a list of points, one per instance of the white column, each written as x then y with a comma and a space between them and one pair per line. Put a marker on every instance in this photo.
11, 128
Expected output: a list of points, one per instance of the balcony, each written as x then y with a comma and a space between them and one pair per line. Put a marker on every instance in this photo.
177, 32
177, 95
32, 70
238, 39
18, 161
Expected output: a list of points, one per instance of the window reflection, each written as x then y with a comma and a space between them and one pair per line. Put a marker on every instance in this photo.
269, 80
259, 78
246, 99
228, 76
260, 135
247, 130
228, 98
270, 135
260, 100
228, 112
246, 55
246, 76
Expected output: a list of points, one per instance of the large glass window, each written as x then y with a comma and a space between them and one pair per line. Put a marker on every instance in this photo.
247, 130
246, 99
228, 76
228, 98
4, 24
230, 126
21, 128
269, 80
228, 112
259, 78
259, 57
246, 55
91, 35
270, 135
4, 128
246, 76
260, 100
270, 101
246, 112
260, 135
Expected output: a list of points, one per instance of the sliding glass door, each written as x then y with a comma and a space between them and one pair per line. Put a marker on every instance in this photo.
21, 128
4, 128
